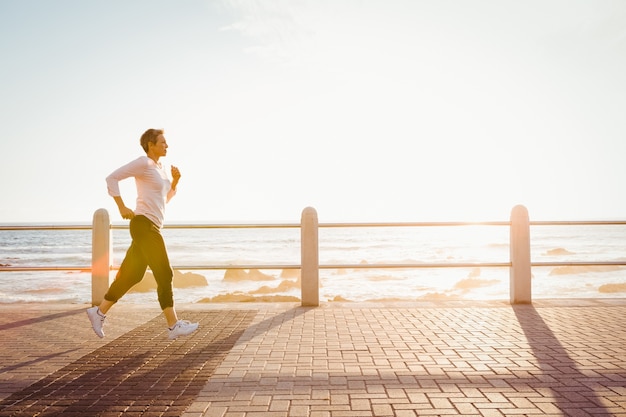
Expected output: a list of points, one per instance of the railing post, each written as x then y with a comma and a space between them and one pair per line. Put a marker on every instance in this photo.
309, 274
100, 255
520, 274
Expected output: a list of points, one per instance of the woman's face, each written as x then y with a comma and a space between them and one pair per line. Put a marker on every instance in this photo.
160, 147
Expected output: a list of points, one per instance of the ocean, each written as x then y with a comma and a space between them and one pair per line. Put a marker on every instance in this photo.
347, 245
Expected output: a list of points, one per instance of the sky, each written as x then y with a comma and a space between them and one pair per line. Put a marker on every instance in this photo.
366, 110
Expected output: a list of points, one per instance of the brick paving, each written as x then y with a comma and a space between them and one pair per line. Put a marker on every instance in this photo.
141, 373
552, 358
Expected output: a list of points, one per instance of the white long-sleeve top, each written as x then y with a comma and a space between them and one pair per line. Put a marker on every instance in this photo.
154, 188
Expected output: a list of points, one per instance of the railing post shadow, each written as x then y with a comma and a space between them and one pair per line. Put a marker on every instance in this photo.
520, 273
100, 255
309, 274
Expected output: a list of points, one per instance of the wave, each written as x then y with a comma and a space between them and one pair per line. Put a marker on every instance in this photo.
437, 296
378, 278
499, 245
473, 283
46, 291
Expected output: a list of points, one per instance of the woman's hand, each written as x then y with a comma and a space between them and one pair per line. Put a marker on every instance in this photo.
175, 173
124, 211
127, 213
175, 176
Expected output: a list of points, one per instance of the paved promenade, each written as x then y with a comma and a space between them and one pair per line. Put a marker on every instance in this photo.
552, 358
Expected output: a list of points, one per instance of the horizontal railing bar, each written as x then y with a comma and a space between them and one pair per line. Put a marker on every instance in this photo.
44, 268
226, 266
404, 265
331, 266
224, 226
415, 224
265, 225
417, 265
47, 227
327, 225
385, 224
401, 265
579, 223
347, 266
581, 263
326, 266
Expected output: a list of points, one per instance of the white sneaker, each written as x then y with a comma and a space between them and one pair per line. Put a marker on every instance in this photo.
182, 328
97, 320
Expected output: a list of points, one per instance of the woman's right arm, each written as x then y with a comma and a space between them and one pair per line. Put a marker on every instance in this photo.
124, 211
132, 169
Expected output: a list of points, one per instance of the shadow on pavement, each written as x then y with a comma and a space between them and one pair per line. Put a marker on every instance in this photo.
567, 383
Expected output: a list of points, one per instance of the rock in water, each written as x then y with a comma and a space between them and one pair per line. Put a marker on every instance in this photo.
180, 280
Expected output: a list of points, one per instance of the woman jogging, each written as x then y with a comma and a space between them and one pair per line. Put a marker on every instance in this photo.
154, 190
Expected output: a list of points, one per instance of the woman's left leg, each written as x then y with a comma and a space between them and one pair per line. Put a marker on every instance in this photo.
153, 247
155, 252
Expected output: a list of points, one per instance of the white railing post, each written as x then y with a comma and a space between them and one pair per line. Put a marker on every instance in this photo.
309, 274
520, 274
100, 255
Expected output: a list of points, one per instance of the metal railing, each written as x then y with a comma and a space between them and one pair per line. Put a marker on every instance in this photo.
101, 250
36, 268
579, 223
88, 268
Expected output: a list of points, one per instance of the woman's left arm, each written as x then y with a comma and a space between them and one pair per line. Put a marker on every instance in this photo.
175, 178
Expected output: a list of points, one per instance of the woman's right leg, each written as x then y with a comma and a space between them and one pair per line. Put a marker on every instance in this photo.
131, 272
